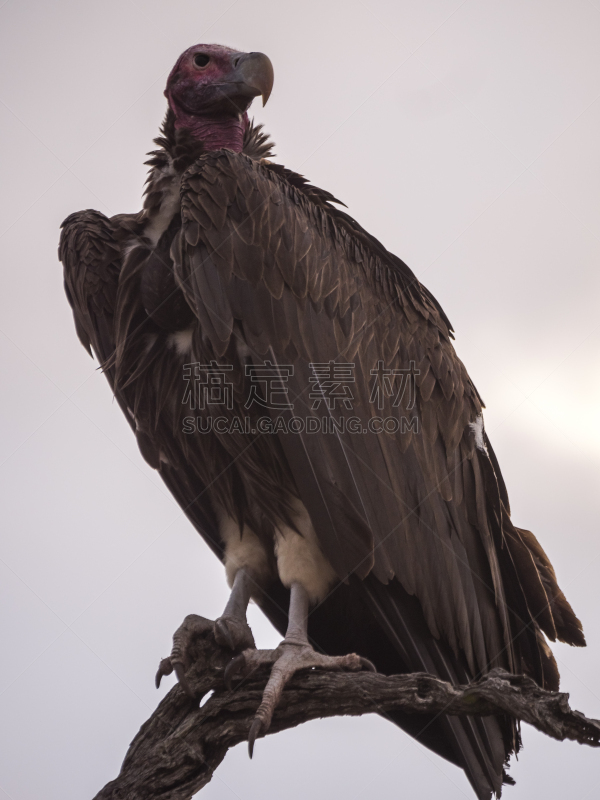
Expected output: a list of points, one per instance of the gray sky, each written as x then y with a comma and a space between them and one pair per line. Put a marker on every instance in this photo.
464, 135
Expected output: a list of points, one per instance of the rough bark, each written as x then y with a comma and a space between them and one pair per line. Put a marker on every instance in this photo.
177, 750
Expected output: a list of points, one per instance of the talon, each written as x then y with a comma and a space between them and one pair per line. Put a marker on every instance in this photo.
367, 665
287, 659
182, 652
231, 668
164, 668
255, 731
183, 681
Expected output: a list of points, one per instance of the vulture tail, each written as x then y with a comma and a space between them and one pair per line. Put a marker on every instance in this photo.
480, 745
386, 625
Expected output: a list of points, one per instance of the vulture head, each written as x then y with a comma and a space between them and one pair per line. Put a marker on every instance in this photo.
210, 89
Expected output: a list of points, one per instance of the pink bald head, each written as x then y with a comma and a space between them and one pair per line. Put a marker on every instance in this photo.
210, 89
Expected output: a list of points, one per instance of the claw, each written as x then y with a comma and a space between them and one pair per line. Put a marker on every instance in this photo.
287, 659
367, 665
255, 731
183, 682
164, 668
231, 668
180, 659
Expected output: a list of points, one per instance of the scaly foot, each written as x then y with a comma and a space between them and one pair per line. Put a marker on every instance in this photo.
229, 631
291, 656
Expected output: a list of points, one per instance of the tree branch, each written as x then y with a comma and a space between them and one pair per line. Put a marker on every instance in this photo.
177, 750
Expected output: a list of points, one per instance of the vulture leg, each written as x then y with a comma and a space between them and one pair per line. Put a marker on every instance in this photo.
293, 654
230, 630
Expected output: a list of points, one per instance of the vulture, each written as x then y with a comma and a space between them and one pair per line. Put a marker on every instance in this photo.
297, 389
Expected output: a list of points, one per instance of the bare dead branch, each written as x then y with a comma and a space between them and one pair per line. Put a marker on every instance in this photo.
177, 750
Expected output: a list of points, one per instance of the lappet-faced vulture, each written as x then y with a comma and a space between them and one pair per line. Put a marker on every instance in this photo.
297, 389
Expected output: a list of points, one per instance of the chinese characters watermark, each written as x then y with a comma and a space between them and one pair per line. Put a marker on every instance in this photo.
211, 389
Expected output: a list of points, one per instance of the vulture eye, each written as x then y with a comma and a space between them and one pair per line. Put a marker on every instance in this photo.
201, 59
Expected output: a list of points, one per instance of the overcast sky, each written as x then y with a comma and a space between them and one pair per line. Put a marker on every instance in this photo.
464, 135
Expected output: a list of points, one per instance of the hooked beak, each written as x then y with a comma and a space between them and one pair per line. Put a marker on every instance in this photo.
253, 74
